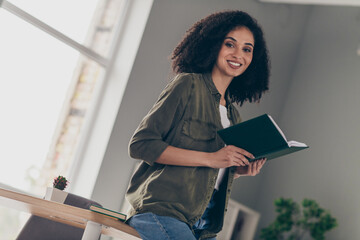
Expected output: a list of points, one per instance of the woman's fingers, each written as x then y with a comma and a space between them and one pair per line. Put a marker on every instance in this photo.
243, 152
230, 156
252, 169
241, 159
259, 164
241, 156
240, 162
255, 167
262, 162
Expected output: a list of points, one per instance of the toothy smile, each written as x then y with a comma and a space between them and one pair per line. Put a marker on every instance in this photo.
235, 64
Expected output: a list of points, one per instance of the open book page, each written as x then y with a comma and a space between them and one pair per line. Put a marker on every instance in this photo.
290, 143
278, 128
296, 144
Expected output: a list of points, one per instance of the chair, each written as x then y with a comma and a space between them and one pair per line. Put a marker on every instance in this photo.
43, 229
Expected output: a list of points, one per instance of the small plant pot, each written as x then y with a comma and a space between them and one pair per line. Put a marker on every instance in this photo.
55, 195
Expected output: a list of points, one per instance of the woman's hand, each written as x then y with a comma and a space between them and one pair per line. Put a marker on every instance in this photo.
251, 169
229, 156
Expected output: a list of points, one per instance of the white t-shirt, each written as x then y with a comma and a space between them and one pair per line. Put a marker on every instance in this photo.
225, 123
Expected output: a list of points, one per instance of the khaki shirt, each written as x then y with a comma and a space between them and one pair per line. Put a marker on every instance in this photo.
187, 116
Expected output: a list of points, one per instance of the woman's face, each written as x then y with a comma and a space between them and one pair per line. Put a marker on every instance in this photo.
236, 53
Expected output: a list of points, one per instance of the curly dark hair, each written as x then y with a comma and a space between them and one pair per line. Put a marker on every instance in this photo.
199, 49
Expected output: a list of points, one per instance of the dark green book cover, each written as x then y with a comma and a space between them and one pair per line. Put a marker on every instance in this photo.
260, 136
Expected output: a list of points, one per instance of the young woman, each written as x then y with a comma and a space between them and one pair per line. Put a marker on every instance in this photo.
181, 189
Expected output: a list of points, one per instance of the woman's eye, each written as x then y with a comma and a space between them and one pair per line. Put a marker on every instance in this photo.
249, 50
229, 45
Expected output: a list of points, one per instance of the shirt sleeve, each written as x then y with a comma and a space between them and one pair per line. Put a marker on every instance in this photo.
148, 141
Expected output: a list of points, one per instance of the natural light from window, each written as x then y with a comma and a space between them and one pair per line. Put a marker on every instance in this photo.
49, 81
35, 76
73, 18
36, 72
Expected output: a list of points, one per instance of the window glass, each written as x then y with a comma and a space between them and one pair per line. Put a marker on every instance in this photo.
46, 91
36, 79
72, 18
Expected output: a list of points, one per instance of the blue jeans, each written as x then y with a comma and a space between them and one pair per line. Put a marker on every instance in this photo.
204, 221
154, 227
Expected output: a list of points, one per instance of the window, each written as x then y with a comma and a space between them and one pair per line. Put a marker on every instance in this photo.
72, 18
52, 67
47, 86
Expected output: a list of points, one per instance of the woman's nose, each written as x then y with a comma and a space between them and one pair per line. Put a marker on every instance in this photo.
238, 54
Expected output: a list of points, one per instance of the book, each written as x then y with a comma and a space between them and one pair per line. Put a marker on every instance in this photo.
260, 136
108, 212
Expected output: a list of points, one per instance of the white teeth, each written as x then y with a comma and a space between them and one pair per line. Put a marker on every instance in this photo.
235, 64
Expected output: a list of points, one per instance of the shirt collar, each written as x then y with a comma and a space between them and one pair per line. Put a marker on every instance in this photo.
210, 84
212, 88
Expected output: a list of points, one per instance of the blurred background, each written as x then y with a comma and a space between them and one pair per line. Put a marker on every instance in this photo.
76, 79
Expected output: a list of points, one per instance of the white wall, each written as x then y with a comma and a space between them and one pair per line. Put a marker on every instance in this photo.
322, 109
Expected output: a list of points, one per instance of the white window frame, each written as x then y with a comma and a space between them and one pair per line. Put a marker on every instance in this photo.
55, 33
108, 95
86, 171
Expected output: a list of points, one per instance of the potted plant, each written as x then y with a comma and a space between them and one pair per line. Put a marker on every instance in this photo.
56, 192
294, 224
60, 182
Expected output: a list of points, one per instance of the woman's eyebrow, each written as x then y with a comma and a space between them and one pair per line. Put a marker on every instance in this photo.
231, 38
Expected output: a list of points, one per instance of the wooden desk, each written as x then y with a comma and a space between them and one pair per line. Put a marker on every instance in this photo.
67, 214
